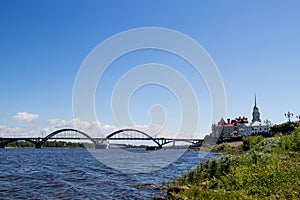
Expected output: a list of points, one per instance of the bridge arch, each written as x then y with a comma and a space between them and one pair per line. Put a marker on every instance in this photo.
133, 130
171, 141
6, 142
178, 140
64, 130
190, 141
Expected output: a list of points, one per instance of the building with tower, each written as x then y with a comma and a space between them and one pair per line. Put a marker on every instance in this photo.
231, 128
239, 126
255, 113
257, 126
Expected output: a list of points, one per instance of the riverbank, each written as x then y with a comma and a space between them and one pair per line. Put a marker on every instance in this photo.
263, 168
48, 144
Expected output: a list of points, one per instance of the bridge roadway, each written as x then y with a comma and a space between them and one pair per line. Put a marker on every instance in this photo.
38, 141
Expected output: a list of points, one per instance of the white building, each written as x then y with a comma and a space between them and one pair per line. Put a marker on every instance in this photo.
245, 130
257, 126
239, 126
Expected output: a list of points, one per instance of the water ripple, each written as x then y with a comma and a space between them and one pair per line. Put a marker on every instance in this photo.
76, 174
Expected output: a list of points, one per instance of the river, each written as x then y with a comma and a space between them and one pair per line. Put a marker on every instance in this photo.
54, 173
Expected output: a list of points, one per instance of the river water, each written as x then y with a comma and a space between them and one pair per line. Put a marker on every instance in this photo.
52, 173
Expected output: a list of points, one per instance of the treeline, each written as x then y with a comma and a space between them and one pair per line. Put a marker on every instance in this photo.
21, 144
48, 144
285, 128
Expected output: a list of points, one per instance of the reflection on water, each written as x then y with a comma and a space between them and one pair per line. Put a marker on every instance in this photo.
142, 162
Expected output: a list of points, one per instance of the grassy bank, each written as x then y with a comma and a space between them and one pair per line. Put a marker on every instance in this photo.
268, 169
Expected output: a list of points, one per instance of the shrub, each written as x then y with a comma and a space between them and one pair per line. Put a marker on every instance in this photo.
285, 128
292, 142
207, 169
250, 141
269, 170
222, 147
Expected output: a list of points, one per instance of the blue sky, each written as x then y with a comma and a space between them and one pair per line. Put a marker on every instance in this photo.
255, 45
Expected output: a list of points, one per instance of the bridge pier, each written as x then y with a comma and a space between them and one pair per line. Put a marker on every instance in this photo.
38, 145
2, 143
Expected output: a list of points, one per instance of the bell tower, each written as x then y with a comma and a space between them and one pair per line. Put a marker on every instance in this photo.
255, 113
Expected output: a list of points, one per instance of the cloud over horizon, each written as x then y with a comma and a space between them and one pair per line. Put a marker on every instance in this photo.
97, 129
93, 128
24, 117
6, 131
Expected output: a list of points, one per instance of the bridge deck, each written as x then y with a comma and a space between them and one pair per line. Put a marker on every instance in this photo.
82, 138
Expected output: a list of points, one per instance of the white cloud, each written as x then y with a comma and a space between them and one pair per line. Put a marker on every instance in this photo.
25, 117
94, 129
6, 131
97, 129
61, 123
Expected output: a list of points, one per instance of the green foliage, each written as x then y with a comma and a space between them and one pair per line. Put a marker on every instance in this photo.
139, 186
21, 144
63, 144
250, 141
291, 143
266, 145
284, 128
269, 170
222, 147
58, 144
207, 169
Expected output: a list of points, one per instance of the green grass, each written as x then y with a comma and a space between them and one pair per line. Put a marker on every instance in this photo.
270, 169
222, 147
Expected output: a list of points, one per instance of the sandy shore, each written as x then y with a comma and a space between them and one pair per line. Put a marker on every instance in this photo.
235, 144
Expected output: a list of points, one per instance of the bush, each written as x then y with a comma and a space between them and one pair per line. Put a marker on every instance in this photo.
284, 128
267, 145
222, 147
292, 142
250, 141
269, 170
207, 169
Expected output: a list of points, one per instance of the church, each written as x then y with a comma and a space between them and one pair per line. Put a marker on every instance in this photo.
240, 127
257, 126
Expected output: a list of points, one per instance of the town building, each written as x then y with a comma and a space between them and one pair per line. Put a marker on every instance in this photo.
257, 126
231, 128
239, 126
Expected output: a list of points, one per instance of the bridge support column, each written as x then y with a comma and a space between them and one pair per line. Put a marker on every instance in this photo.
38, 145
2, 143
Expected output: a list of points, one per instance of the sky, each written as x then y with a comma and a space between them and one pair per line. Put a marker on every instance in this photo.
254, 44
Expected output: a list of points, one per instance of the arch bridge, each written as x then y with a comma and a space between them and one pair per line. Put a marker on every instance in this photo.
74, 134
61, 134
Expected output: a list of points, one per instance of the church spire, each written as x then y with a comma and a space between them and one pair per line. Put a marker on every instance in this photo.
255, 114
255, 104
